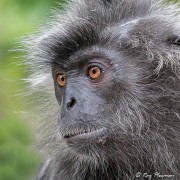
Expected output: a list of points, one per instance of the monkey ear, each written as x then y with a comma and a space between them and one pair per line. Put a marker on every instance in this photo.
175, 40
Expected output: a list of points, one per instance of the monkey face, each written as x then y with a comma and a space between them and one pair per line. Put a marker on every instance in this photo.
89, 83
82, 88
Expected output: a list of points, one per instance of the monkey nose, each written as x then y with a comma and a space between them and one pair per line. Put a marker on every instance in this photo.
71, 103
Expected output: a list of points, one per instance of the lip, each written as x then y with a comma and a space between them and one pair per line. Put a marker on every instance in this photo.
95, 134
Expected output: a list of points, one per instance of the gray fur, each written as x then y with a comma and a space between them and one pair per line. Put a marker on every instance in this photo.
148, 122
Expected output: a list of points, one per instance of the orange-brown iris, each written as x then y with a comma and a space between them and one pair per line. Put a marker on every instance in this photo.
94, 72
61, 80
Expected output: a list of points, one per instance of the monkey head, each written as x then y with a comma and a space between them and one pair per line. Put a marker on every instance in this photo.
115, 70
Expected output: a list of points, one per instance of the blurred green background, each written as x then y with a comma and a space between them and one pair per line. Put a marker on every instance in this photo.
19, 159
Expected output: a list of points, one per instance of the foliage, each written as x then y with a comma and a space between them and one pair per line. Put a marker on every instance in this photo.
17, 159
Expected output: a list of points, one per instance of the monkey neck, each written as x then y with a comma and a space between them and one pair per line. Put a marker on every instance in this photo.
70, 169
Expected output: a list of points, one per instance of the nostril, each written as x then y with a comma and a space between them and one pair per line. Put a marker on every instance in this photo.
71, 103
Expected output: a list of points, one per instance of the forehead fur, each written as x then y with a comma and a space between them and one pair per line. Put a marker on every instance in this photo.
82, 22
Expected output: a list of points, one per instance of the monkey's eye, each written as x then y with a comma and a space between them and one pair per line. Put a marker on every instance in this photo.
61, 80
94, 72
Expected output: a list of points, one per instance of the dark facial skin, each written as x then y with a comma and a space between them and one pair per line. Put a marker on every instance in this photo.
84, 102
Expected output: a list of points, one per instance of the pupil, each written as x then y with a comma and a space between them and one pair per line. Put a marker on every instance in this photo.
62, 78
94, 71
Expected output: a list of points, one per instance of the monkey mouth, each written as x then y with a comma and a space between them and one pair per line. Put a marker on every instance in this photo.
100, 133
